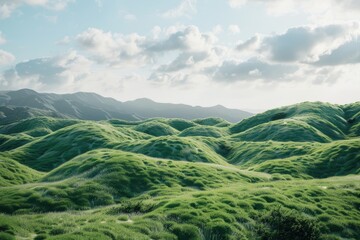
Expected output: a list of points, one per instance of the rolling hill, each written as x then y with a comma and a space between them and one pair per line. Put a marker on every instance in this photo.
292, 171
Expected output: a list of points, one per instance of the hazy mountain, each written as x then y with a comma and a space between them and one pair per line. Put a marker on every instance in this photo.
15, 105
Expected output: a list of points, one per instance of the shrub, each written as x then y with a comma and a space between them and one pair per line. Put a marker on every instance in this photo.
6, 236
186, 232
279, 224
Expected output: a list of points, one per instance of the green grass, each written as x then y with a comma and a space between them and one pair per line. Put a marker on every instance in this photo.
156, 128
292, 172
206, 131
103, 177
229, 212
320, 121
14, 173
54, 149
211, 122
175, 148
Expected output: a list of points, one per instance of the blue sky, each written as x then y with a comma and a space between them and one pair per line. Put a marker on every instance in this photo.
242, 54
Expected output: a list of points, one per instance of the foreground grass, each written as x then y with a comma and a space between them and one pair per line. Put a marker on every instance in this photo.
229, 212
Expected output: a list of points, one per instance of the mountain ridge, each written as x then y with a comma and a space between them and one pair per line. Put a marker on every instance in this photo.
92, 106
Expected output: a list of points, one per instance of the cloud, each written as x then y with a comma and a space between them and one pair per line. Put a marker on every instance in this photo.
250, 44
303, 44
185, 8
7, 7
47, 73
6, 57
113, 49
252, 69
64, 41
196, 50
237, 3
234, 29
117, 49
324, 10
347, 53
188, 39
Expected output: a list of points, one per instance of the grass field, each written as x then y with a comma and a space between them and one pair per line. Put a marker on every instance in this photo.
291, 172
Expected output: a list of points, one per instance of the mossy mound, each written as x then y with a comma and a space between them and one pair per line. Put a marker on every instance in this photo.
156, 128
205, 131
210, 121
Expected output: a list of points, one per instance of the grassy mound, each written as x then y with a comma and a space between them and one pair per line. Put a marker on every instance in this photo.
36, 127
326, 121
352, 115
8, 142
337, 158
156, 128
206, 131
282, 130
103, 177
211, 121
52, 150
180, 124
326, 208
175, 148
14, 173
247, 154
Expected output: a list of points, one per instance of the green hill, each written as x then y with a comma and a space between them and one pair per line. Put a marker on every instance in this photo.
288, 173
103, 177
155, 128
52, 150
320, 122
14, 173
175, 148
206, 131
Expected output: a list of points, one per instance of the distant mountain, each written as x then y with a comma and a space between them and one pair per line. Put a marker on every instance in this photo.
15, 105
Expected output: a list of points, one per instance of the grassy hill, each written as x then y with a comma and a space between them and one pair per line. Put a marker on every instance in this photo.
320, 122
291, 172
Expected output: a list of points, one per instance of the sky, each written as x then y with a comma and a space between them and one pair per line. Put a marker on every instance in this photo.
246, 54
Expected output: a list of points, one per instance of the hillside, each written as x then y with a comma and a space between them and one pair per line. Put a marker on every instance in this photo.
25, 103
293, 170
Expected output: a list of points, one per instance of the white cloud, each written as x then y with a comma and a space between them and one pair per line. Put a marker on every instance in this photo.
6, 57
7, 7
68, 72
347, 53
322, 11
217, 29
64, 41
306, 44
189, 39
113, 49
234, 29
237, 3
156, 31
185, 8
252, 69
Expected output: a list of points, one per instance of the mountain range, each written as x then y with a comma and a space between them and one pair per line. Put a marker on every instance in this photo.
15, 105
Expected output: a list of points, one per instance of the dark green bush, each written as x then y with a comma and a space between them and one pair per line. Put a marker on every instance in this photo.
186, 232
6, 236
279, 224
